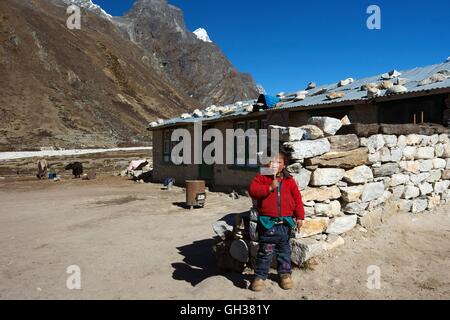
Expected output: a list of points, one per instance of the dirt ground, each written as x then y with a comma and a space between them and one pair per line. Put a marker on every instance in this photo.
136, 241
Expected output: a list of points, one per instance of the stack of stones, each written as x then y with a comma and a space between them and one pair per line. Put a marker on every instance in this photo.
349, 174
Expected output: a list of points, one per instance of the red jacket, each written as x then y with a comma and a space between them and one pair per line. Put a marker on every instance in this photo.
291, 199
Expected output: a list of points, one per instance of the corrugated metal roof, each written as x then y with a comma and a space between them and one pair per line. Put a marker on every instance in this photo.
352, 92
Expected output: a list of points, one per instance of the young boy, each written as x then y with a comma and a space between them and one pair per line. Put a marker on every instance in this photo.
279, 201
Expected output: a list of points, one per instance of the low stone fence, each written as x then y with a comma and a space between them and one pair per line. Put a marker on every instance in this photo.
347, 175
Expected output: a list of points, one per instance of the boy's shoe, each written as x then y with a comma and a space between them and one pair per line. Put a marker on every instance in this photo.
286, 281
258, 285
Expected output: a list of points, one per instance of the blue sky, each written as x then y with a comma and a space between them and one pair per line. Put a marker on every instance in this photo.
285, 44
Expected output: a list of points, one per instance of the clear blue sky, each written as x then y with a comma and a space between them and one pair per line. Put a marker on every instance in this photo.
285, 44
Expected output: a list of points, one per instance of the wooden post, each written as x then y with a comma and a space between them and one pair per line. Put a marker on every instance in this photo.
415, 119
423, 117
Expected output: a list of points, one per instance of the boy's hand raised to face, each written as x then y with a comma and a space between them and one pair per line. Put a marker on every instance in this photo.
274, 184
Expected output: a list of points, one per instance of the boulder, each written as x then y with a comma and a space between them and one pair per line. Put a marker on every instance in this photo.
426, 188
425, 153
413, 139
439, 150
401, 141
355, 207
359, 175
396, 154
372, 191
391, 140
397, 191
446, 153
312, 132
425, 165
351, 194
419, 205
411, 192
410, 166
328, 125
344, 142
375, 158
326, 176
375, 143
404, 205
399, 179
435, 175
308, 149
409, 152
344, 160
379, 201
331, 209
439, 163
447, 167
289, 134
416, 179
385, 170
360, 129
321, 194
303, 177
305, 249
312, 227
342, 225
385, 155
441, 186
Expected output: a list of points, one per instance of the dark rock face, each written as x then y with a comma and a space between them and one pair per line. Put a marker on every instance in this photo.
197, 68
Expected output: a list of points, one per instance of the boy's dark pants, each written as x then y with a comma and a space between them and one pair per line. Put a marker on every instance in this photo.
273, 241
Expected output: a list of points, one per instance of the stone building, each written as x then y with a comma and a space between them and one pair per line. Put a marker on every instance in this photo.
420, 95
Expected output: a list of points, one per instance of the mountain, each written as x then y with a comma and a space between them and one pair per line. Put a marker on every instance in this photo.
101, 85
196, 67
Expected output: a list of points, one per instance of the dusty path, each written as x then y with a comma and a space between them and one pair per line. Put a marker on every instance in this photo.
134, 241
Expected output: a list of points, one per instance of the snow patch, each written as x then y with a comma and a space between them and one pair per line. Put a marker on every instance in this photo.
202, 34
89, 5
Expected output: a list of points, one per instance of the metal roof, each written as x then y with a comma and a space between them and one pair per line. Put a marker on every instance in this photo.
352, 92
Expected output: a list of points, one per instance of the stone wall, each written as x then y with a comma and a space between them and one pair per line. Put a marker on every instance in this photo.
349, 179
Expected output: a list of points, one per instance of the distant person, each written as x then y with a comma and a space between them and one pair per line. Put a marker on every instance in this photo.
77, 169
42, 169
279, 202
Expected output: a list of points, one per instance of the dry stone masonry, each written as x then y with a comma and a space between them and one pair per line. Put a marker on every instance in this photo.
349, 174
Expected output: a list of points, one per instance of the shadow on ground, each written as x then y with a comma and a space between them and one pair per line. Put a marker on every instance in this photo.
200, 263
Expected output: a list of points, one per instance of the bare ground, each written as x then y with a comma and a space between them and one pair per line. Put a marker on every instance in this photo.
135, 241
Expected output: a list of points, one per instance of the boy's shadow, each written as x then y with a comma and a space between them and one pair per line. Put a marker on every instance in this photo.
200, 263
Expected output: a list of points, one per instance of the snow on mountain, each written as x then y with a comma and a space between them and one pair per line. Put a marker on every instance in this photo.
89, 5
202, 34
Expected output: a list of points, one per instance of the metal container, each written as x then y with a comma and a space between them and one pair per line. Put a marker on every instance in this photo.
195, 193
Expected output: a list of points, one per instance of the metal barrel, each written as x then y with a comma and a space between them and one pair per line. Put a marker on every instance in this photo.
193, 189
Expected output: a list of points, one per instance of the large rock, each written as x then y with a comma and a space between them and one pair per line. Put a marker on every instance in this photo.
413, 139
344, 143
328, 125
359, 175
342, 225
410, 166
355, 207
321, 194
385, 154
360, 129
403, 205
439, 163
344, 160
379, 201
332, 242
419, 205
391, 140
352, 194
425, 165
441, 186
386, 170
312, 132
447, 167
425, 153
409, 152
399, 179
372, 191
426, 189
397, 191
417, 179
303, 177
411, 192
308, 148
396, 154
305, 249
290, 134
312, 227
326, 176
375, 143
331, 209
435, 175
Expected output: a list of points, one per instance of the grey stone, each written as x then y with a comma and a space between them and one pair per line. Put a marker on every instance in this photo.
385, 154
331, 209
398, 179
413, 139
359, 175
404, 205
411, 192
441, 186
375, 143
396, 154
425, 153
372, 191
419, 205
326, 176
379, 201
344, 142
305, 249
397, 191
410, 166
435, 175
416, 179
355, 207
387, 169
328, 125
352, 194
425, 188
312, 132
390, 140
302, 178
342, 225
409, 152
439, 163
289, 134
308, 148
425, 165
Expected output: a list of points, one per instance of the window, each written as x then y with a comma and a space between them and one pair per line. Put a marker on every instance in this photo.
167, 145
242, 152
